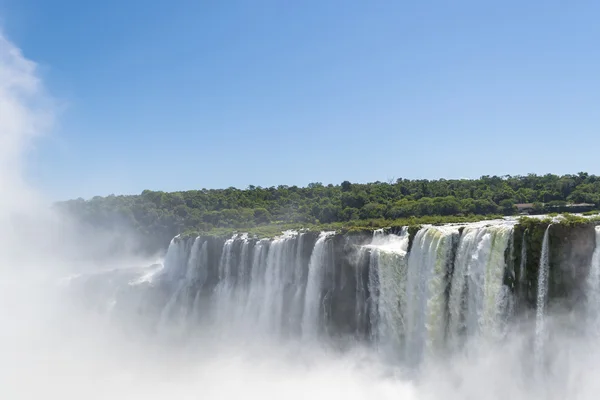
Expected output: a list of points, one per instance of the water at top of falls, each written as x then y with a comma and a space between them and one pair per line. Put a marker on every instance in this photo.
390, 242
542, 293
172, 265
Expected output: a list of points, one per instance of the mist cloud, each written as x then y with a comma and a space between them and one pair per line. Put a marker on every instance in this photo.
26, 112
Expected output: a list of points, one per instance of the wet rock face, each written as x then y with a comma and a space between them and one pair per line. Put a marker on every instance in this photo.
214, 249
341, 294
571, 248
571, 251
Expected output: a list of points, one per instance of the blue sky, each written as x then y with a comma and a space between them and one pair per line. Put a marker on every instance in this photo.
174, 95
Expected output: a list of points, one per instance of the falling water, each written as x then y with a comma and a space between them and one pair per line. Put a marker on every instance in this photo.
312, 302
387, 285
478, 299
279, 260
224, 291
374, 286
297, 284
250, 311
593, 288
199, 264
361, 303
449, 288
175, 259
523, 284
180, 312
426, 282
542, 292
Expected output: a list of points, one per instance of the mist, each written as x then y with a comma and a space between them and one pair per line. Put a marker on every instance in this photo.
52, 346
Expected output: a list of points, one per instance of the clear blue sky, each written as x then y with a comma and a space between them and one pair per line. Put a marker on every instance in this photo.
172, 95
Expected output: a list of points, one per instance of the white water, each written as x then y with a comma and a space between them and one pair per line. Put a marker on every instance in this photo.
387, 285
424, 303
251, 309
542, 292
312, 302
593, 288
478, 300
279, 261
361, 304
175, 259
224, 307
522, 270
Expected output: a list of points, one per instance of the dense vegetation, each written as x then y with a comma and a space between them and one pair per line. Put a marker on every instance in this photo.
162, 215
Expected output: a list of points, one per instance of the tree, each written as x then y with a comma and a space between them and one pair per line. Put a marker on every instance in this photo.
262, 216
346, 186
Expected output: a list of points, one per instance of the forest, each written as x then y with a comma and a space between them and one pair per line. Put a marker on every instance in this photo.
163, 215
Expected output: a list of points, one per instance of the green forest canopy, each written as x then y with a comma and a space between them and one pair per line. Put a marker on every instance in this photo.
166, 214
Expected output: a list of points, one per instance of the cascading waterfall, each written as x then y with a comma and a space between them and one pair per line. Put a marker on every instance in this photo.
478, 300
387, 285
523, 284
175, 259
593, 288
174, 314
198, 267
361, 303
451, 286
542, 293
298, 279
250, 312
374, 289
279, 261
424, 302
225, 291
312, 302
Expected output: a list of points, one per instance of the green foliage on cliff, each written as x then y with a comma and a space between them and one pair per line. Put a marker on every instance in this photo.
348, 205
272, 230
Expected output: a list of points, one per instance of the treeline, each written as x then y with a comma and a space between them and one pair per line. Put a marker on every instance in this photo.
160, 214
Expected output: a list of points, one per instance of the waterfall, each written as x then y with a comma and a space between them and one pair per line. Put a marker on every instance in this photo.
478, 300
198, 268
279, 261
224, 291
361, 305
260, 285
424, 301
312, 303
523, 284
174, 317
387, 285
298, 288
593, 288
373, 286
251, 309
410, 305
175, 259
542, 293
